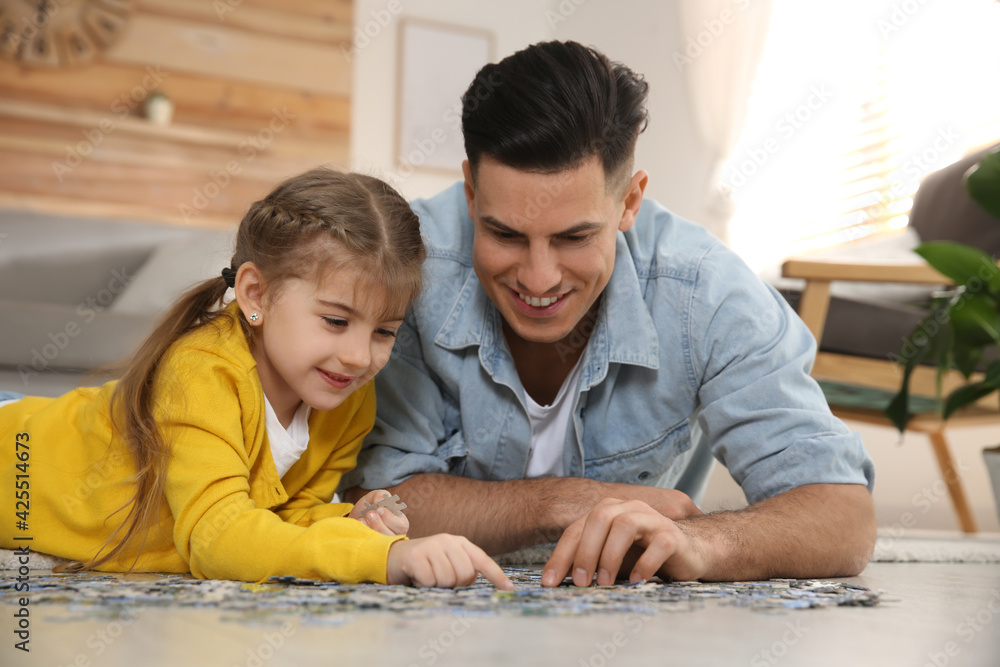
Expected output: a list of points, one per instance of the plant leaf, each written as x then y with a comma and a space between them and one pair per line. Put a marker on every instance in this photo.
966, 395
923, 342
898, 410
971, 393
983, 183
976, 320
964, 264
993, 374
966, 358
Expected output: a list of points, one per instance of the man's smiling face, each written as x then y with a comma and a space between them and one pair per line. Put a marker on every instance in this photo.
544, 244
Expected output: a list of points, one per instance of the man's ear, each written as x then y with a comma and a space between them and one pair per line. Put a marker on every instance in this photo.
632, 199
470, 188
250, 288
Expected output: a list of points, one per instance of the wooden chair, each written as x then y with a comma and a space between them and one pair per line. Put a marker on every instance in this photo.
884, 374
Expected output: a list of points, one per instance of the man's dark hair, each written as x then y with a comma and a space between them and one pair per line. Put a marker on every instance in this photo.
553, 105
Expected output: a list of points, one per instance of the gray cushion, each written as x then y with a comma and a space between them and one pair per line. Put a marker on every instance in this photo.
78, 294
944, 211
864, 329
44, 337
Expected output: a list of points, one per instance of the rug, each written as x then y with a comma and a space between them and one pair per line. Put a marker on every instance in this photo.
89, 594
912, 547
890, 548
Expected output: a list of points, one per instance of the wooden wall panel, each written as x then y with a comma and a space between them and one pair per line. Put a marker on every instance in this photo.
261, 92
198, 99
325, 28
178, 45
339, 11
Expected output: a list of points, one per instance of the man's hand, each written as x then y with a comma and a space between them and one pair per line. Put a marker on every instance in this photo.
817, 530
671, 503
599, 542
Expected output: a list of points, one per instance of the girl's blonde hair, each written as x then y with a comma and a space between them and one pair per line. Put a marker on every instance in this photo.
313, 222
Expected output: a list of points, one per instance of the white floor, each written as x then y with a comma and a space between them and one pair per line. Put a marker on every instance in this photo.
937, 614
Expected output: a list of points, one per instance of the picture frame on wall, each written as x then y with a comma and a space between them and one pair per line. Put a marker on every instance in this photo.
437, 62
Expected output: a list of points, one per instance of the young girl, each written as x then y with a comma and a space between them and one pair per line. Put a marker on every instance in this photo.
220, 448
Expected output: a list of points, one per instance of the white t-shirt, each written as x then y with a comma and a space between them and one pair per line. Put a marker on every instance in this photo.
548, 427
287, 446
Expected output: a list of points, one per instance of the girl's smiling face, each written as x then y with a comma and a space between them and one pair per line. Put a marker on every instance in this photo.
316, 343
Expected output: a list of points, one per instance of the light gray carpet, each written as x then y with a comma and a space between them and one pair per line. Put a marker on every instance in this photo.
925, 548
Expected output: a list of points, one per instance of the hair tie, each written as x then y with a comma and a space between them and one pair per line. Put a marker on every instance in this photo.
229, 275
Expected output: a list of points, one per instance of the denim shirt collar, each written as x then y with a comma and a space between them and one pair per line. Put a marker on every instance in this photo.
624, 333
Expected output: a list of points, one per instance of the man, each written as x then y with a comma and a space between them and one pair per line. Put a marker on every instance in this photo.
580, 354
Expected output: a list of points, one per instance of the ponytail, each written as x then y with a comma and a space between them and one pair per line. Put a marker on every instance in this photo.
132, 415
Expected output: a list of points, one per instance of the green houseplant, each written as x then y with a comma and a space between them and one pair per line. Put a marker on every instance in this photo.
962, 328
963, 324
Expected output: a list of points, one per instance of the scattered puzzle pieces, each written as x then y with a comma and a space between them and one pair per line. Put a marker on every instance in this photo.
92, 594
392, 503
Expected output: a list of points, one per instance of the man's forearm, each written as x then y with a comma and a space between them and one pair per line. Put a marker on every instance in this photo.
819, 530
497, 516
509, 515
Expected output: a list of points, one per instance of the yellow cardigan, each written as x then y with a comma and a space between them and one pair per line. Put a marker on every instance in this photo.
228, 515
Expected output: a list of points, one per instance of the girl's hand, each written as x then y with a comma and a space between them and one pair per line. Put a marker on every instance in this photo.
444, 561
383, 520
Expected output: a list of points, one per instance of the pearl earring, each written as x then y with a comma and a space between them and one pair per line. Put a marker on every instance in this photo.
254, 317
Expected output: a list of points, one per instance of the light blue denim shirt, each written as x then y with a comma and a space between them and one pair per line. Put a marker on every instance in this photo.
691, 356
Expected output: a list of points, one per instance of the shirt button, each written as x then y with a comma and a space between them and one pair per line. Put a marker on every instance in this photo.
643, 475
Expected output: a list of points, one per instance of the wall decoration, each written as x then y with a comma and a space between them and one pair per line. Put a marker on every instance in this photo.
437, 62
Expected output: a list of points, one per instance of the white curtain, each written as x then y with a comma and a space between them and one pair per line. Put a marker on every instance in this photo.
721, 46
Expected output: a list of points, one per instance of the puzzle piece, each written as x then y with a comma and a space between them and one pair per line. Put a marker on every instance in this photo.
82, 597
391, 503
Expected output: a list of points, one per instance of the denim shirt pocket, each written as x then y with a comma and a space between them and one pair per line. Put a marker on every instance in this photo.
645, 464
